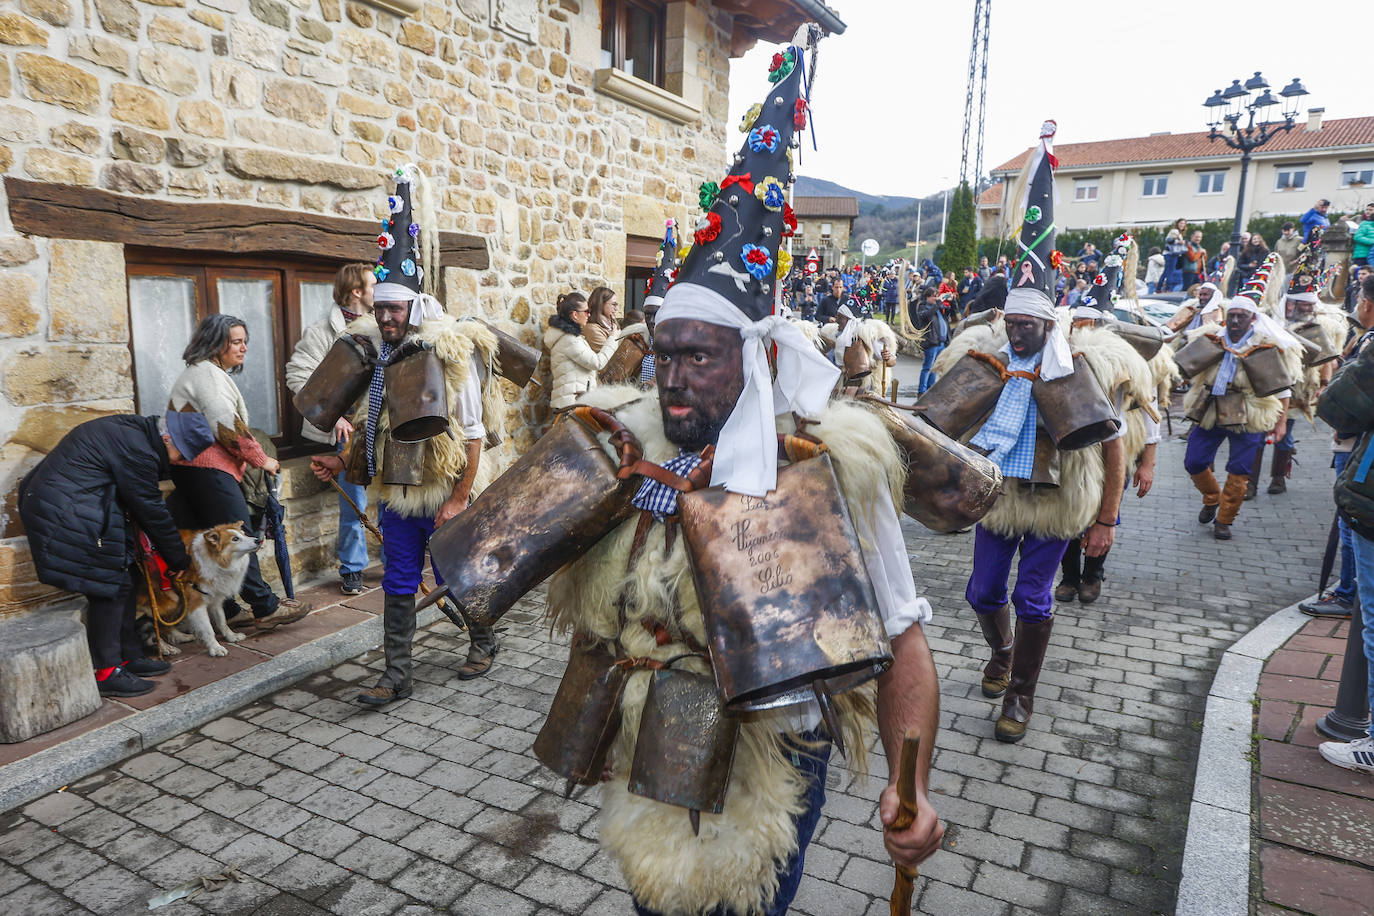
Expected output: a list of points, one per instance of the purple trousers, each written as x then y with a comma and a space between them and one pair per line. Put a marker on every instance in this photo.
1033, 596
1203, 445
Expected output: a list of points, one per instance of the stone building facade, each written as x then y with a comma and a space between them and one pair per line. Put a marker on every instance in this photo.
824, 224
168, 158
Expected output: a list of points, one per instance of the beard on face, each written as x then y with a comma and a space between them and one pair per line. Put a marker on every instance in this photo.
702, 426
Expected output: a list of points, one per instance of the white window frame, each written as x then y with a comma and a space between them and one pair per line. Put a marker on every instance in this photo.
1212, 175
1153, 189
1297, 177
1357, 168
1086, 190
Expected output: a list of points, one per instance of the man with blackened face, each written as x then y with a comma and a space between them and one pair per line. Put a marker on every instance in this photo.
700, 375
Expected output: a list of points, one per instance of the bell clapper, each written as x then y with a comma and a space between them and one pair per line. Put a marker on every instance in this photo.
568, 786
829, 714
695, 817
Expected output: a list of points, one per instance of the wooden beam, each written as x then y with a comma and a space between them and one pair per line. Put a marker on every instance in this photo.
67, 212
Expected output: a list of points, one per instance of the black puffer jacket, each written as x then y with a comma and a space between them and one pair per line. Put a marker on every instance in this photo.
74, 504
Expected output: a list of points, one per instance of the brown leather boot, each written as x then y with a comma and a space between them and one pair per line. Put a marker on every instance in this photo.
997, 632
1027, 656
1231, 498
1279, 470
1206, 483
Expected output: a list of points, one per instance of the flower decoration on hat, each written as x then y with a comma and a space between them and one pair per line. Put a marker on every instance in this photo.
770, 191
1100, 280
380, 273
385, 241
1033, 214
707, 194
750, 117
799, 117
707, 228
782, 65
789, 221
394, 203
683, 251
1056, 259
757, 260
414, 230
408, 267
784, 264
764, 138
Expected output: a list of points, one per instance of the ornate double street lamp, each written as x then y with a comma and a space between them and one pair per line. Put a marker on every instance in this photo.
1234, 104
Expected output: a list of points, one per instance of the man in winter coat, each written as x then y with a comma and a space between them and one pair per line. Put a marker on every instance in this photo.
80, 506
353, 287
1315, 218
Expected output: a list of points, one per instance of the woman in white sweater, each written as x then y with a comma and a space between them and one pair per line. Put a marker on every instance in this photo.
208, 488
571, 358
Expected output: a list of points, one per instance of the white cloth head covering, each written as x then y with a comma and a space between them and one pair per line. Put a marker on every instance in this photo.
1263, 324
1058, 360
1303, 296
422, 305
747, 451
851, 330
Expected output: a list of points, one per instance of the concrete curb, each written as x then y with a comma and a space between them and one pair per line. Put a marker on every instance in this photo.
65, 763
1216, 856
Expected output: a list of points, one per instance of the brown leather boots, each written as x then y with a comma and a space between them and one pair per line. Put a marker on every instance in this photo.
1027, 655
997, 632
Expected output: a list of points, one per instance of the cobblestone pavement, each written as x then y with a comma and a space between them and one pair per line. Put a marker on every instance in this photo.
438, 803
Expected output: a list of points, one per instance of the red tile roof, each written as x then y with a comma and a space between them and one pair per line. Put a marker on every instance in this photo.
992, 197
843, 207
1339, 132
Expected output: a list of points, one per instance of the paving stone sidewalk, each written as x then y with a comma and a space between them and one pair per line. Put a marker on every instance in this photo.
1315, 821
437, 804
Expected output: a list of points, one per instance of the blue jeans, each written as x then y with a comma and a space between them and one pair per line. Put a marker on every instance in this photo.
352, 545
928, 368
1364, 571
1173, 278
812, 765
1346, 588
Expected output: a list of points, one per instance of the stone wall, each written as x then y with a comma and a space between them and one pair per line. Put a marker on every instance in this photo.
305, 106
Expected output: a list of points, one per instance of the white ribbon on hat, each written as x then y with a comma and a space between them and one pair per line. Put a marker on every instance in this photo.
422, 305
1057, 361
747, 451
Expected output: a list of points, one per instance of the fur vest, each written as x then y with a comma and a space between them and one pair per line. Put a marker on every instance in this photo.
455, 342
1261, 413
733, 862
1334, 325
1064, 511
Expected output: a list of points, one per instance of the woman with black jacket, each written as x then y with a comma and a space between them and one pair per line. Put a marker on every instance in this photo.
81, 508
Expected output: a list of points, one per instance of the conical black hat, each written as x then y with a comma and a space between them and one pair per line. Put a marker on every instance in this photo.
736, 243
1036, 265
665, 272
399, 240
1103, 293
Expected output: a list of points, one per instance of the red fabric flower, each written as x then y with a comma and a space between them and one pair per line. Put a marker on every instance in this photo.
710, 231
777, 62
745, 182
1056, 259
757, 256
789, 221
799, 119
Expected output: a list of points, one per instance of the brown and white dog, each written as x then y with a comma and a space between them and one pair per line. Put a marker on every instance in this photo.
219, 561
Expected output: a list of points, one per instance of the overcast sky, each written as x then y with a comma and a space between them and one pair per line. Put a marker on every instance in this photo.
889, 92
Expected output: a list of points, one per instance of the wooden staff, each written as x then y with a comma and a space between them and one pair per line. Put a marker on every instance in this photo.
906, 815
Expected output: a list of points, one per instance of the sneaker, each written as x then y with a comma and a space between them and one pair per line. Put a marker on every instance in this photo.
289, 610
121, 683
351, 583
147, 667
1331, 605
1352, 755
239, 617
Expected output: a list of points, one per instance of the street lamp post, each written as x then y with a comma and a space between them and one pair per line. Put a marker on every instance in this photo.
1229, 107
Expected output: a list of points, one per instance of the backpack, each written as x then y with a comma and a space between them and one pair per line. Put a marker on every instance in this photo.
1354, 489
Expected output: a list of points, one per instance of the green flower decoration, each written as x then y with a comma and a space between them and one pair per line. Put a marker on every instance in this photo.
1033, 215
781, 66
707, 194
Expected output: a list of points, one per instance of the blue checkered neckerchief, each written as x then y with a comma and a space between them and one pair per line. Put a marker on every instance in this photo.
659, 498
646, 370
1009, 434
375, 389
1226, 372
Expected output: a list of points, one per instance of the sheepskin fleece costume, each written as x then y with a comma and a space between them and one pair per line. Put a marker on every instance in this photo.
1261, 413
1067, 510
454, 342
733, 861
1334, 325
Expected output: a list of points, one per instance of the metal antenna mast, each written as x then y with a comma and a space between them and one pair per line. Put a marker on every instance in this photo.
977, 78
